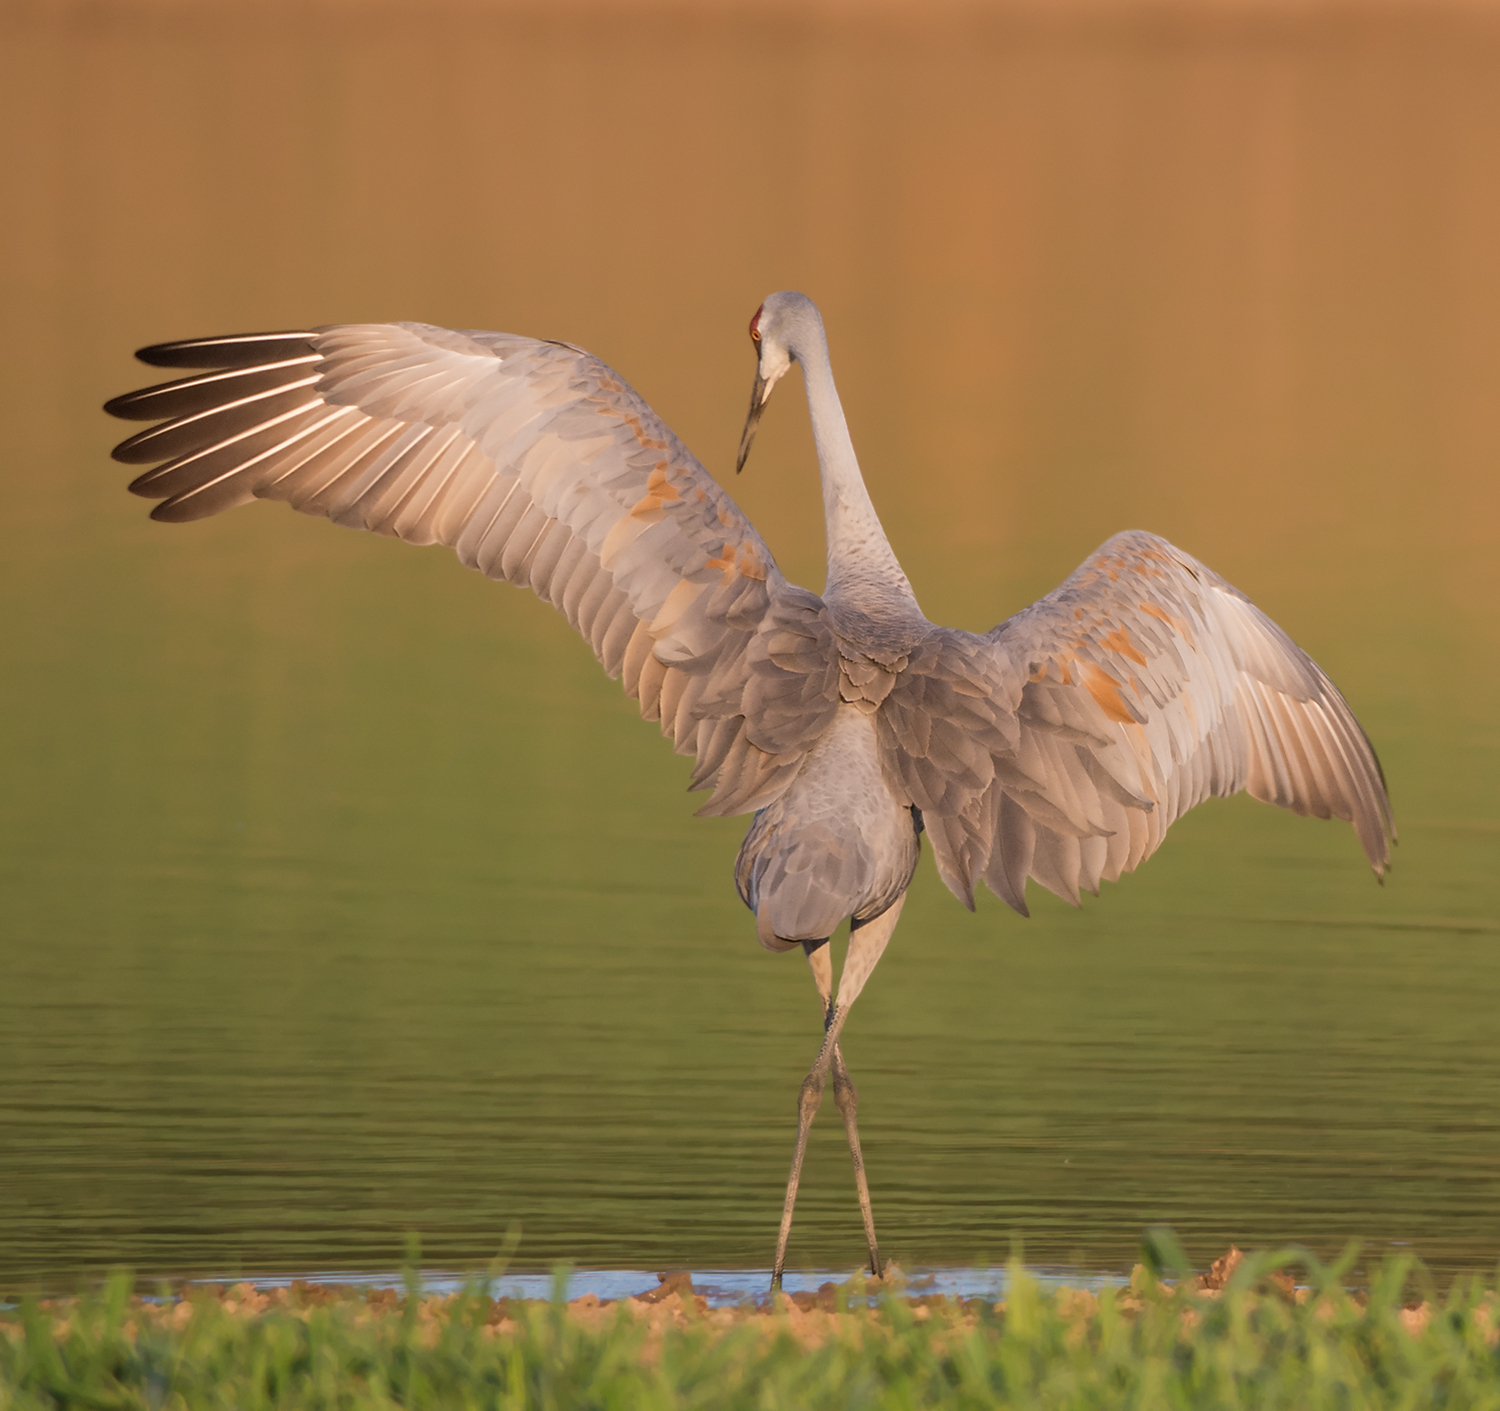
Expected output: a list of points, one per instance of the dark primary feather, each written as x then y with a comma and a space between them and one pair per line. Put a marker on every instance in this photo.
231, 350
193, 395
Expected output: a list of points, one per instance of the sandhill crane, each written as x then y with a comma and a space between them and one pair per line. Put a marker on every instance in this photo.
1059, 746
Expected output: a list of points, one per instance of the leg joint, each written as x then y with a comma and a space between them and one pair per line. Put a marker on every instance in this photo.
811, 1092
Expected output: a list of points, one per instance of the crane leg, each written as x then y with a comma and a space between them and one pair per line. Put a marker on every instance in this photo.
808, 1100
846, 1095
866, 945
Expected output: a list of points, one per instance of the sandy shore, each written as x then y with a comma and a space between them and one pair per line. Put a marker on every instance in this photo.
810, 1318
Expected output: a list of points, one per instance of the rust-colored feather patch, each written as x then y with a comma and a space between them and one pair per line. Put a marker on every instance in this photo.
660, 492
1106, 691
1119, 641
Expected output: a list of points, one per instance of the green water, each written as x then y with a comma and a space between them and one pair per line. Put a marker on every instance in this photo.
342, 897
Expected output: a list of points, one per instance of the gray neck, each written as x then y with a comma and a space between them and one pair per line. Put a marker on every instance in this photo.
862, 569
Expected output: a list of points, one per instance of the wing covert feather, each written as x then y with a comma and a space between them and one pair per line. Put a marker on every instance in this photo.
1064, 743
537, 465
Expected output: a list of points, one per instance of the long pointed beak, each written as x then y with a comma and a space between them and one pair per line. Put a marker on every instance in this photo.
760, 394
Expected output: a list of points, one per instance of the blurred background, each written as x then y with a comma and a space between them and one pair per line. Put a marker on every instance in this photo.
341, 895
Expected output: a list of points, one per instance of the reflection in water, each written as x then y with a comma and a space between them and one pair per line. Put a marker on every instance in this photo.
345, 898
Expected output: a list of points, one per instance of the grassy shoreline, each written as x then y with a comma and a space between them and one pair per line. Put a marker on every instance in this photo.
1268, 1330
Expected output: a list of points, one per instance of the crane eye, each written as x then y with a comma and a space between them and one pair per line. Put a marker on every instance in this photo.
755, 325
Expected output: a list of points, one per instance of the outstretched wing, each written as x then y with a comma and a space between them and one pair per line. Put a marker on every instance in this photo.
1090, 722
538, 465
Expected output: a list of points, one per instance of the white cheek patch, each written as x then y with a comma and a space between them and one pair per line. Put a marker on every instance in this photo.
774, 363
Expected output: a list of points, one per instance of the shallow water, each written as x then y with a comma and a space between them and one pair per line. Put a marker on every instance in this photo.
343, 898
720, 1288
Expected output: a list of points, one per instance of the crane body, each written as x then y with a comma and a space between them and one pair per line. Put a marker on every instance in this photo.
1058, 747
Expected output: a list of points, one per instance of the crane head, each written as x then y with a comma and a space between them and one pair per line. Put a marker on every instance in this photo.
768, 332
